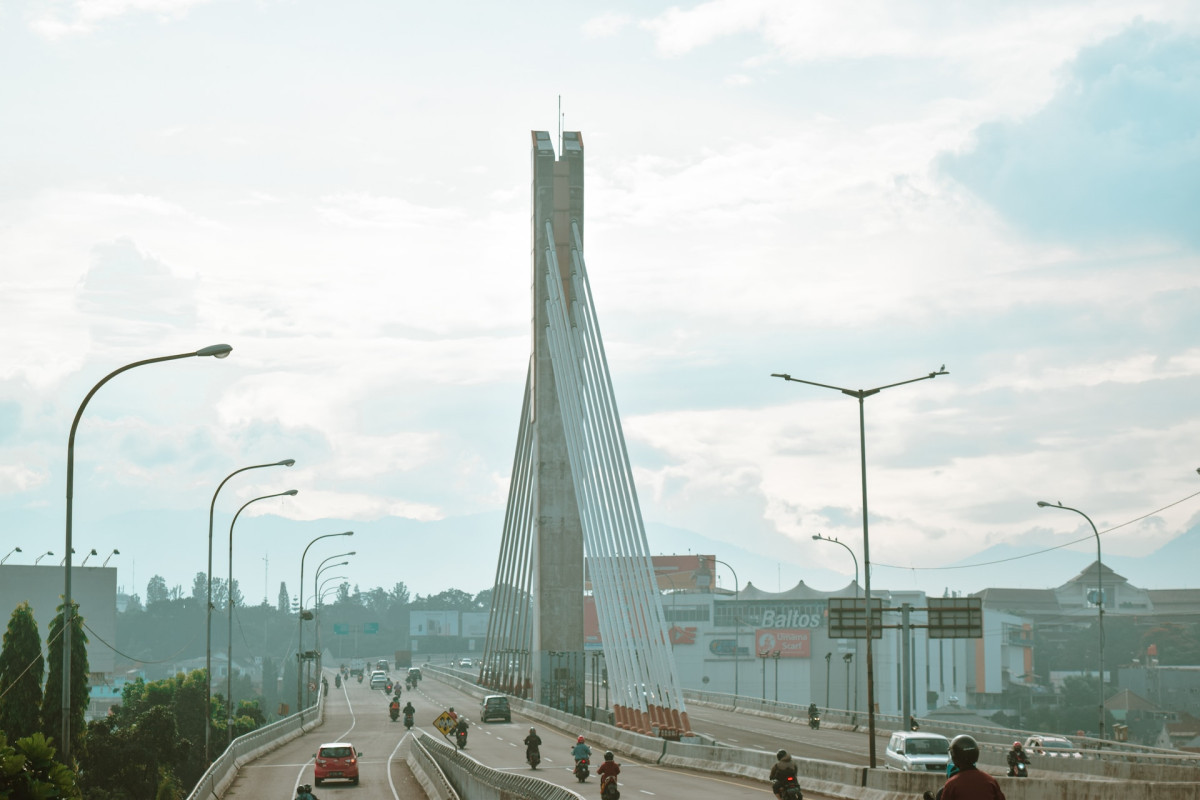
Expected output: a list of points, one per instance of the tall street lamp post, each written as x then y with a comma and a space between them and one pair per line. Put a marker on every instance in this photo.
104, 563
10, 552
1099, 597
317, 596
43, 555
737, 630
861, 395
216, 351
208, 608
229, 611
300, 634
819, 538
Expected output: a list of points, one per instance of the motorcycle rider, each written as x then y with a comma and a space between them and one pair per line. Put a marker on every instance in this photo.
1016, 755
532, 743
813, 711
460, 730
783, 768
453, 715
304, 792
968, 782
394, 709
581, 750
608, 772
337, 680
408, 709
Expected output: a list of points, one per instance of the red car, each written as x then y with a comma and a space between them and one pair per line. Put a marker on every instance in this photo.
336, 760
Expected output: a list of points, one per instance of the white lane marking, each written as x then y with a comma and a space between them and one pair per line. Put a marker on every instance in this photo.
643, 791
391, 783
353, 722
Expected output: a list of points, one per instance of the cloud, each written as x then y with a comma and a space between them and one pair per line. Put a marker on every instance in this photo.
605, 25
1113, 156
126, 284
82, 16
388, 213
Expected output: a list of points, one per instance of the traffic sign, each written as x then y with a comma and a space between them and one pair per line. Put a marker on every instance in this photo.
445, 723
848, 618
955, 617
370, 627
341, 628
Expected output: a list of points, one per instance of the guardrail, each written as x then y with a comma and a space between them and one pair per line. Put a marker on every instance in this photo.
480, 782
427, 770
250, 746
845, 780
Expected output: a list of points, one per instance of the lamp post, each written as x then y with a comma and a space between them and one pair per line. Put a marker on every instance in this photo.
64, 558
10, 552
737, 630
848, 657
229, 612
1099, 596
89, 555
317, 595
819, 538
300, 635
861, 395
104, 563
43, 555
828, 659
216, 351
287, 462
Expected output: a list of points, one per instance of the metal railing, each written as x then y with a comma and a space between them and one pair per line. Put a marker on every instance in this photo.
249, 746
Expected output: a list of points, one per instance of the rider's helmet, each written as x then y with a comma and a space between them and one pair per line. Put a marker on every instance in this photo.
1016, 745
964, 751
579, 740
781, 755
451, 709
608, 756
533, 730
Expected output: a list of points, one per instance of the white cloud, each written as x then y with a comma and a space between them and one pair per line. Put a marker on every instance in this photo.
82, 16
607, 24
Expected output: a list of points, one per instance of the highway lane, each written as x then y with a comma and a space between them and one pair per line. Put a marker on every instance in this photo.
500, 746
354, 714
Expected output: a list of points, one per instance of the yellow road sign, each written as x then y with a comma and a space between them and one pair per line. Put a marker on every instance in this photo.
445, 723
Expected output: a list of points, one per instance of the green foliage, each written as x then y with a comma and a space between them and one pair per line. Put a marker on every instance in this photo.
21, 671
52, 701
283, 604
28, 771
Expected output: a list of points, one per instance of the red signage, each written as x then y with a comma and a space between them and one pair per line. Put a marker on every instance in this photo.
788, 642
682, 635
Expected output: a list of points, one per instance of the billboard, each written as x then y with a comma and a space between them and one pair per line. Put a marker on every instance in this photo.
787, 642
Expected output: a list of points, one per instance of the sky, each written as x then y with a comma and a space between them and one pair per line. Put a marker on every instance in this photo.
853, 194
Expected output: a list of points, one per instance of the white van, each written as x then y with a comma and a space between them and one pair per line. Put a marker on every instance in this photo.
913, 751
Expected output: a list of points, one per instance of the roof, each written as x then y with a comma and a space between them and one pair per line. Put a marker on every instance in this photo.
1088, 573
1126, 700
801, 591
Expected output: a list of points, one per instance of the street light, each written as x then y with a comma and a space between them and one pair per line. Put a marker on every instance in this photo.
300, 636
115, 552
10, 552
216, 351
43, 555
287, 462
89, 555
737, 631
229, 611
861, 395
819, 538
64, 558
316, 594
1099, 596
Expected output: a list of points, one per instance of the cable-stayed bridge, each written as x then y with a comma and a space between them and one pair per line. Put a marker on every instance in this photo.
573, 518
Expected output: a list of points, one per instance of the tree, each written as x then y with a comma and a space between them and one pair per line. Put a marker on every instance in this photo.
270, 686
21, 670
200, 587
52, 701
28, 771
156, 591
284, 604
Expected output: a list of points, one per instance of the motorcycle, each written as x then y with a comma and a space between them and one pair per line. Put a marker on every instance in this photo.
460, 737
789, 789
360, 678
1018, 770
394, 712
408, 721
608, 788
814, 721
533, 757
337, 681
581, 769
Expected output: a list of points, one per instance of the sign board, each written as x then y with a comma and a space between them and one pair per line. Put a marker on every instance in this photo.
341, 628
787, 642
848, 618
445, 723
370, 627
955, 617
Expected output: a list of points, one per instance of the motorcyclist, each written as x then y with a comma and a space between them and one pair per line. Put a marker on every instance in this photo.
460, 731
812, 710
912, 723
783, 768
453, 715
394, 709
608, 772
304, 792
967, 782
581, 750
337, 680
532, 743
408, 709
1016, 755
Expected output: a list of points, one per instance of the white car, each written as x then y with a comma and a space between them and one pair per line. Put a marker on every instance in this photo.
379, 679
917, 752
466, 662
1052, 746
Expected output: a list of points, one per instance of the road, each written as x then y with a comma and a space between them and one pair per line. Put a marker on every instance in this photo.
356, 714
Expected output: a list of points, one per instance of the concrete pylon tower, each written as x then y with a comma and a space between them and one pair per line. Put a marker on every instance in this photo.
558, 556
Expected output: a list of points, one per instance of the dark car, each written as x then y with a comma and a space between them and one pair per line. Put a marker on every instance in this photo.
495, 706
